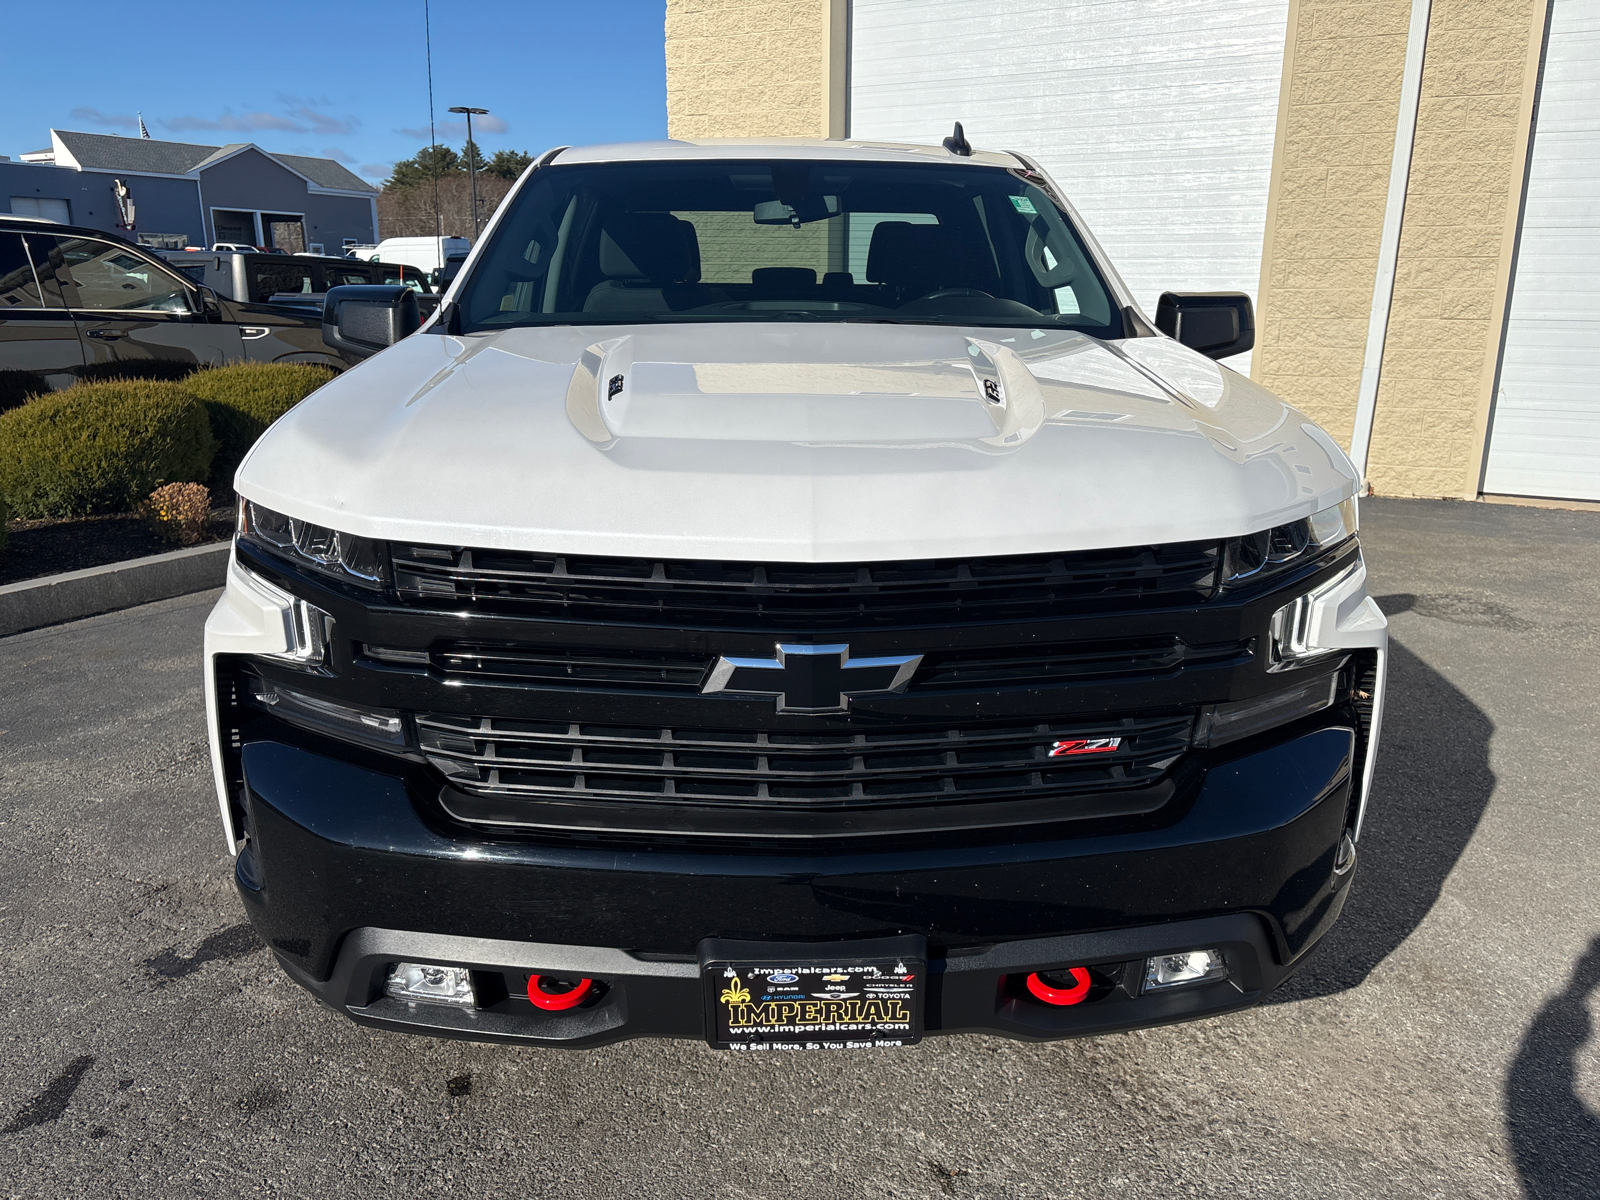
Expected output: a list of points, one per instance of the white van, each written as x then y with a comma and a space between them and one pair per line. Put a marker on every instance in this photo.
428, 253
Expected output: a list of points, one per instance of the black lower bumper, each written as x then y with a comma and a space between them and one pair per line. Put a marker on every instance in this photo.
974, 992
348, 871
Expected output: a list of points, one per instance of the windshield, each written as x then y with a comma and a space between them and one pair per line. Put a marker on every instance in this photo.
797, 240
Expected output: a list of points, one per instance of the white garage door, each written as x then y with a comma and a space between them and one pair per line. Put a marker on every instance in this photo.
41, 206
1546, 435
1157, 117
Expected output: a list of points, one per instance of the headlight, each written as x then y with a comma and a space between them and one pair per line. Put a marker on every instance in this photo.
1259, 555
361, 561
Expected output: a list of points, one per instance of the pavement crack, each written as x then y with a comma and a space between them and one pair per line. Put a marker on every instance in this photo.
51, 1103
947, 1176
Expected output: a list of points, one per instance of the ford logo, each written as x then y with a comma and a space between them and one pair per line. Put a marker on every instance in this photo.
782, 977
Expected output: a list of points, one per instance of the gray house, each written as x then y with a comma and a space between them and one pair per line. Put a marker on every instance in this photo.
180, 194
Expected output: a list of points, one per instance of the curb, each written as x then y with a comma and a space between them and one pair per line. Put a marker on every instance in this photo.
74, 594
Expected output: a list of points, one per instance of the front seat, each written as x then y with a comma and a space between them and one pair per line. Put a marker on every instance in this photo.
648, 259
916, 259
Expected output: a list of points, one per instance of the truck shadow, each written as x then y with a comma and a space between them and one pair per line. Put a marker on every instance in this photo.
1555, 1138
1432, 785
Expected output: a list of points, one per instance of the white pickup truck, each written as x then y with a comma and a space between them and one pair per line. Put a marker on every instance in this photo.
790, 595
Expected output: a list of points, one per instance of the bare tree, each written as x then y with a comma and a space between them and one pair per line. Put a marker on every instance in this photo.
408, 211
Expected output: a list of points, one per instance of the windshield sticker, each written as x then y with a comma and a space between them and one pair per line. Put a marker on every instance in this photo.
1023, 205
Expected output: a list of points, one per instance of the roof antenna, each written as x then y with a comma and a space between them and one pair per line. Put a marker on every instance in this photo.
957, 143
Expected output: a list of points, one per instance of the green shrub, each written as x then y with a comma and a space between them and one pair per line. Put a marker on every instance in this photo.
137, 368
243, 400
101, 447
4, 517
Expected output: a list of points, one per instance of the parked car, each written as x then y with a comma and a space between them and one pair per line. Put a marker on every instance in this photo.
78, 302
237, 247
792, 597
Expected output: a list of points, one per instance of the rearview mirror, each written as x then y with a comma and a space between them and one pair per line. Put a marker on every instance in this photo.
1217, 324
361, 319
802, 212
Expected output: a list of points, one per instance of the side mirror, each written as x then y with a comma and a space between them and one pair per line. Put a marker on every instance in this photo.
205, 304
1217, 324
362, 318
428, 304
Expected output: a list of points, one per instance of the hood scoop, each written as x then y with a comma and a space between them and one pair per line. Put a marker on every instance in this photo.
982, 395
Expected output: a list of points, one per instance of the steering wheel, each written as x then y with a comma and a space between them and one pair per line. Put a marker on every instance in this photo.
951, 293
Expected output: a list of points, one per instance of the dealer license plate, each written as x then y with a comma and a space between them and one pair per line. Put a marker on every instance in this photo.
816, 1004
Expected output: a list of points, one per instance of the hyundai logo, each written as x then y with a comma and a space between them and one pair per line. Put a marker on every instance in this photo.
811, 679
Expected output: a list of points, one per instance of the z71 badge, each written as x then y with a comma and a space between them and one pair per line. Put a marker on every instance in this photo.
816, 1006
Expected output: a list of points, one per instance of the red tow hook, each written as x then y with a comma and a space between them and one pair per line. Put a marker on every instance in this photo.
556, 1001
1061, 996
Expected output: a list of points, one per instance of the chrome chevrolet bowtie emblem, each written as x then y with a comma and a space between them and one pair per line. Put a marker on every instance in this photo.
811, 679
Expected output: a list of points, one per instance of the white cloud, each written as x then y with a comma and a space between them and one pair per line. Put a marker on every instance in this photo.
456, 131
109, 120
230, 123
319, 122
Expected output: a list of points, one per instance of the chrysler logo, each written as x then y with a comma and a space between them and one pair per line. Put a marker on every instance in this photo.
811, 679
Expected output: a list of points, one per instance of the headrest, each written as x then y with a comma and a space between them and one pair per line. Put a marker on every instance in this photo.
783, 281
914, 256
653, 246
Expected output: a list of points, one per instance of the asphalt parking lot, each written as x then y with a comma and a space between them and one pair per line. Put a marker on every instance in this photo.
1440, 1043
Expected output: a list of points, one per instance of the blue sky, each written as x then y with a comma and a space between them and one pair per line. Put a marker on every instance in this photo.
342, 78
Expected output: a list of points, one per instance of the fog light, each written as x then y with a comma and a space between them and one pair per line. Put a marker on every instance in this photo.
424, 983
1179, 970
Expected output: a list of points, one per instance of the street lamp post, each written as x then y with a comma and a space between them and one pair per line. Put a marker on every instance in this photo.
472, 163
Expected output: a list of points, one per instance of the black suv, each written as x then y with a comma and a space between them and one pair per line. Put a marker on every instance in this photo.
80, 303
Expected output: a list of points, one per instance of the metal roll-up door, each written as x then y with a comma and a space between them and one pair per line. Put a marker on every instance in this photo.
1545, 440
1158, 118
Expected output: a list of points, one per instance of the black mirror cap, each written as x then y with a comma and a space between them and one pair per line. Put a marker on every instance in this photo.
206, 304
1217, 324
359, 319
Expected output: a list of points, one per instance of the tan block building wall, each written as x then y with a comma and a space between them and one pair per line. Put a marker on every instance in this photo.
755, 68
1338, 102
1456, 247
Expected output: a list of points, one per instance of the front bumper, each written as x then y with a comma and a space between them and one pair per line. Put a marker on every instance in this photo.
347, 873
351, 864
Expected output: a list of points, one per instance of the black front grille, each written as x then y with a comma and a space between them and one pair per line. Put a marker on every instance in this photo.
728, 595
1073, 662
601, 667
490, 756
1028, 665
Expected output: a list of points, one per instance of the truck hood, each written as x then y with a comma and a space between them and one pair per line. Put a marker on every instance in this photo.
793, 442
